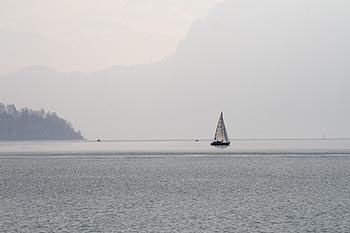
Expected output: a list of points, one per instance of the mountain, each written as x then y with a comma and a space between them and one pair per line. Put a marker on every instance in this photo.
276, 69
28, 124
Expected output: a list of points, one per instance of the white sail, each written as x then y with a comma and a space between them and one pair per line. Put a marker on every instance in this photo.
226, 139
221, 133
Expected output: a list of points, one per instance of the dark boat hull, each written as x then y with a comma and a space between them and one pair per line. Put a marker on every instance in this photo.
220, 143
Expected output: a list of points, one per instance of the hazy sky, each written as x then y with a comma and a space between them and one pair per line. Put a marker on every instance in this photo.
88, 35
277, 68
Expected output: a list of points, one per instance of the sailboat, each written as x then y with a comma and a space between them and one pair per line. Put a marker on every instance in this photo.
221, 138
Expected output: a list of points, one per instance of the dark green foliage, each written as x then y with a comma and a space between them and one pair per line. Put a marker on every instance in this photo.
28, 124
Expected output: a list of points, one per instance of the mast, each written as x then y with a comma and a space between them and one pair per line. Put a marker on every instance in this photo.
222, 126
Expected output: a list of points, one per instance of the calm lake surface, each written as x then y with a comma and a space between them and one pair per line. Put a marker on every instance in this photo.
261, 186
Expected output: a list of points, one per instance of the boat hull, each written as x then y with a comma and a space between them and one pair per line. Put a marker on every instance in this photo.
220, 143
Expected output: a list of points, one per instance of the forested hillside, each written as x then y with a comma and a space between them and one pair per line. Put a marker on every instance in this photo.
28, 124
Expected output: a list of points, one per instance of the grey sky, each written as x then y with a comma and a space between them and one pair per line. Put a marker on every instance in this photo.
92, 35
277, 68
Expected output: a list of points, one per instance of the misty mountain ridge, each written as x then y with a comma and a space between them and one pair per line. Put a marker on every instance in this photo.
276, 69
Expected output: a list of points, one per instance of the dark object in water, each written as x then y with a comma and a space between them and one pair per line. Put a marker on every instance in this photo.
98, 140
219, 143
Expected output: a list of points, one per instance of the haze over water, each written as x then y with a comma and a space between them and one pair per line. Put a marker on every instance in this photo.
174, 147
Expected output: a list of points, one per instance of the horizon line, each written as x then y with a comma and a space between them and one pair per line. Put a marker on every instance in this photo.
231, 139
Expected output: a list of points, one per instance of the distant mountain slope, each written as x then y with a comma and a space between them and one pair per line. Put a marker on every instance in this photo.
28, 124
276, 68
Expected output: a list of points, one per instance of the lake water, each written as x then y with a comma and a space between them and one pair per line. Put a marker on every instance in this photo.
252, 186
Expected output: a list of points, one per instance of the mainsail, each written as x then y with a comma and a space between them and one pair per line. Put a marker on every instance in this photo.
221, 133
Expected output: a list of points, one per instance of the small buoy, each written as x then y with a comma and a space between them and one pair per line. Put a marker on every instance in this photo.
98, 140
196, 140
